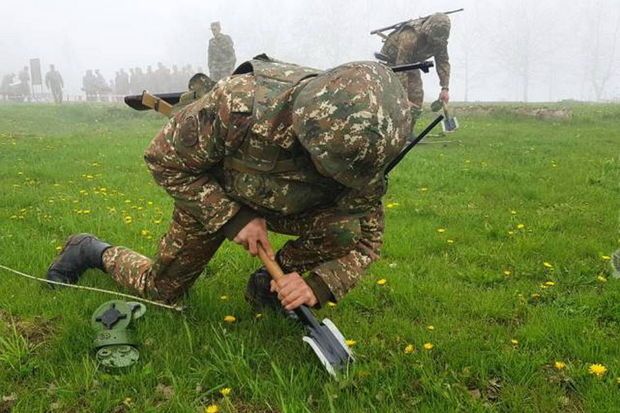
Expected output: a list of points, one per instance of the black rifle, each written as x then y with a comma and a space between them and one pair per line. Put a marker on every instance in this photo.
136, 101
399, 25
413, 143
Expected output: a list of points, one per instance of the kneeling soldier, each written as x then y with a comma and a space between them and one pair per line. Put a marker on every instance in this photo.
275, 147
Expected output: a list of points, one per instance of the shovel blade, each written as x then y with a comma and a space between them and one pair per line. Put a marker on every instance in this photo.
450, 124
329, 345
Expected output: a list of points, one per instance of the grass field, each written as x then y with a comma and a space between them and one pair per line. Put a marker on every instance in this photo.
496, 256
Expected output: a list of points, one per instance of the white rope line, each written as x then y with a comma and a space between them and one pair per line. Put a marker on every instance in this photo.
81, 287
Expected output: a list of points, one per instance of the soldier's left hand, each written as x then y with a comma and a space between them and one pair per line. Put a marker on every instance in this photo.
444, 96
293, 291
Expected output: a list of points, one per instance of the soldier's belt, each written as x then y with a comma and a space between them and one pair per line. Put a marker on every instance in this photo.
284, 165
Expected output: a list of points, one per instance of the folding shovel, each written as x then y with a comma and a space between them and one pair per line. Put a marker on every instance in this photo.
323, 337
449, 123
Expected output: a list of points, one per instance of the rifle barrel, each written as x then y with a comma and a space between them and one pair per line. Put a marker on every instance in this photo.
397, 25
413, 143
135, 101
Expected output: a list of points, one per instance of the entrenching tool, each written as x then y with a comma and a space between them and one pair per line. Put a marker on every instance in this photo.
450, 123
323, 336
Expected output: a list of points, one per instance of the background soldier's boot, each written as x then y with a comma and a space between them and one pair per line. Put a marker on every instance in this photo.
258, 291
81, 252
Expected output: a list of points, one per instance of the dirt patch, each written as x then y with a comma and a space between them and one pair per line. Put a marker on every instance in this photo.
548, 114
35, 330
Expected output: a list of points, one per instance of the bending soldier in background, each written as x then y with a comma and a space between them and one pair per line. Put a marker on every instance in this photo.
414, 42
221, 55
53, 81
275, 146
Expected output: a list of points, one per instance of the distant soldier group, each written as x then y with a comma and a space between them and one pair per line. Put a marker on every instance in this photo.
13, 90
135, 80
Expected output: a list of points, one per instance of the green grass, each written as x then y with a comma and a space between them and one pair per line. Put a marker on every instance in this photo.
79, 168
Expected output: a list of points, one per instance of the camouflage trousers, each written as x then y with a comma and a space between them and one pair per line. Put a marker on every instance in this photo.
412, 81
335, 247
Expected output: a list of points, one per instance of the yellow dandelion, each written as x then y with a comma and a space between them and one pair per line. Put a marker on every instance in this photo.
513, 212
511, 232
605, 257
230, 319
507, 272
86, 211
350, 343
331, 304
382, 281
58, 248
514, 342
424, 189
428, 346
450, 241
392, 204
548, 264
431, 327
601, 279
224, 297
559, 365
520, 226
597, 369
214, 408
441, 230
157, 221
149, 203
409, 349
144, 232
128, 201
549, 283
225, 391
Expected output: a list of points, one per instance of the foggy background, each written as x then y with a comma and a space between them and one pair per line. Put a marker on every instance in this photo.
500, 50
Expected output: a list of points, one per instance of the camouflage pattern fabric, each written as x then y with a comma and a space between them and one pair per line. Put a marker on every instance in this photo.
183, 253
249, 119
350, 120
418, 41
221, 56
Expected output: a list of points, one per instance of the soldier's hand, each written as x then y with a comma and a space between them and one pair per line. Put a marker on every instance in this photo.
444, 96
293, 291
254, 233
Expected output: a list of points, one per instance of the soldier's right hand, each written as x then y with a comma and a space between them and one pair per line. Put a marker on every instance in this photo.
255, 232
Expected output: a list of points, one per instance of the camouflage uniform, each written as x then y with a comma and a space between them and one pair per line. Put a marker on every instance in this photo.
417, 41
221, 56
53, 81
258, 144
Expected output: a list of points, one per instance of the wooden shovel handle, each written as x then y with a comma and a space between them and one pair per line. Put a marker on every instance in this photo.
272, 266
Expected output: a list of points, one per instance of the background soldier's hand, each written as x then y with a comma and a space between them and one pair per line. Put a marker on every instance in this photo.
293, 291
444, 95
255, 232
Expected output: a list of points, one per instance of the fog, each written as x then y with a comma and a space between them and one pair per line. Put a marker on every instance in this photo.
500, 50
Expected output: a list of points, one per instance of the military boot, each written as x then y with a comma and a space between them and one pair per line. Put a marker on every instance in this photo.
81, 252
258, 292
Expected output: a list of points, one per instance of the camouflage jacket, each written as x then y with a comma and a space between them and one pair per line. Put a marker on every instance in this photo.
232, 155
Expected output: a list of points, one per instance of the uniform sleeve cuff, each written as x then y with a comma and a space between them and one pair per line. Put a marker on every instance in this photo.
236, 223
320, 290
